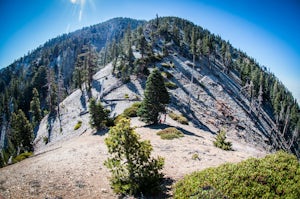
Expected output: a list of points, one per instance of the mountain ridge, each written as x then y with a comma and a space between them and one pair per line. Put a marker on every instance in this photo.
213, 85
255, 89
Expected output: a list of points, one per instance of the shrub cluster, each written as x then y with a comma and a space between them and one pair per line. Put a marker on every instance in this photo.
221, 142
275, 176
166, 65
22, 156
179, 118
171, 85
170, 133
45, 139
166, 74
133, 170
78, 125
132, 111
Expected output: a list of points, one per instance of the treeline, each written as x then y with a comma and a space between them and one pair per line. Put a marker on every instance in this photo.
69, 61
259, 85
48, 74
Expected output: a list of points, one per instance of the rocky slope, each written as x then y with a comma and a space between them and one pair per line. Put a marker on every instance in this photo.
71, 164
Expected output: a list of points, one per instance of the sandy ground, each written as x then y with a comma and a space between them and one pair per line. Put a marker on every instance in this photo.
74, 168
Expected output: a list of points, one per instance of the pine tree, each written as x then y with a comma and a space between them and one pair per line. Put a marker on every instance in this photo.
35, 109
132, 168
21, 131
227, 58
79, 73
1, 160
86, 64
220, 141
156, 98
97, 114
52, 90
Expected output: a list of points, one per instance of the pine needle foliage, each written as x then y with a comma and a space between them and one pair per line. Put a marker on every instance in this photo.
275, 176
132, 169
156, 98
98, 115
221, 142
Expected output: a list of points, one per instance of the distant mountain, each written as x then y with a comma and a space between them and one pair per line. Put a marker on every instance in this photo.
134, 47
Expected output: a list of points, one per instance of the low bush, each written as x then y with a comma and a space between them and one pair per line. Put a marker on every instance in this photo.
132, 111
45, 140
165, 65
275, 176
78, 125
22, 156
195, 156
170, 133
133, 169
119, 118
179, 118
166, 74
221, 142
171, 85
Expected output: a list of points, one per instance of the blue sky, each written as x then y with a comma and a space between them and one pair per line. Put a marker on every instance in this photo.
266, 30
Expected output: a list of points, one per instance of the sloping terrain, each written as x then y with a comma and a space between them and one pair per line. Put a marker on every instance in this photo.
71, 164
68, 162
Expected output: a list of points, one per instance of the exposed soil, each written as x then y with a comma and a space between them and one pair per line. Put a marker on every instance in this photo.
74, 168
71, 164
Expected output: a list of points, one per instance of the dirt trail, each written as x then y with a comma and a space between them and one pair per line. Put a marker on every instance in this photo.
75, 169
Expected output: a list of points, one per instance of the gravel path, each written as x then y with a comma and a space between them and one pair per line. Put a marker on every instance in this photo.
75, 168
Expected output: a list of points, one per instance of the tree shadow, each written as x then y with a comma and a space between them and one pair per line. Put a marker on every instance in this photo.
97, 85
101, 132
142, 82
164, 126
188, 75
189, 114
166, 187
133, 88
50, 120
83, 100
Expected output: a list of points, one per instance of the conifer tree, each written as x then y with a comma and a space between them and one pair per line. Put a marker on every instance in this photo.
52, 90
21, 131
1, 160
156, 98
132, 168
35, 110
97, 114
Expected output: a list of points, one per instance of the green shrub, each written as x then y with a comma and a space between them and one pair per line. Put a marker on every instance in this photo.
132, 111
133, 170
179, 118
171, 85
119, 118
275, 176
45, 139
78, 125
170, 133
166, 74
22, 156
195, 156
166, 65
221, 142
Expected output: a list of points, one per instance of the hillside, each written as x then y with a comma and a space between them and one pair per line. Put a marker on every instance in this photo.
71, 164
215, 86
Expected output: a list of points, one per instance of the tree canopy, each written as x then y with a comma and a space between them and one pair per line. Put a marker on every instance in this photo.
156, 98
